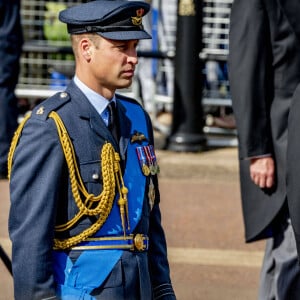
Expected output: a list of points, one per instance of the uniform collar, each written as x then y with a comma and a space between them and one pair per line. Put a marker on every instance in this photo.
98, 101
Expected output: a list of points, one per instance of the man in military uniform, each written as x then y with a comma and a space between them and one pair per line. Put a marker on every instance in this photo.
85, 221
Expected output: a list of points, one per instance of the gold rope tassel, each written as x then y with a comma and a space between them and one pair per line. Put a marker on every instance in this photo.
123, 202
88, 204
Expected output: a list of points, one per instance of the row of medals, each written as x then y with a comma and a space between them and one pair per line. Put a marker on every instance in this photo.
148, 162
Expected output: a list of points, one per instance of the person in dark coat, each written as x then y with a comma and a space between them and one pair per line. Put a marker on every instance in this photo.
85, 221
292, 10
11, 41
264, 70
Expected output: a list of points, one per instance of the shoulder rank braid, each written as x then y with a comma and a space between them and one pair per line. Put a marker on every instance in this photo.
88, 204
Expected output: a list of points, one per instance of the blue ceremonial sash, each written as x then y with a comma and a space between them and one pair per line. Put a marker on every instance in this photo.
93, 266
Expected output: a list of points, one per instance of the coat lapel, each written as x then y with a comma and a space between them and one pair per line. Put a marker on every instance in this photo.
125, 128
87, 112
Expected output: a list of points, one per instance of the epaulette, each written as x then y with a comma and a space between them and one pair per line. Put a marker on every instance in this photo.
53, 103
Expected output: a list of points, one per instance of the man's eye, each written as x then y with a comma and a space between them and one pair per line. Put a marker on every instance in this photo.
121, 47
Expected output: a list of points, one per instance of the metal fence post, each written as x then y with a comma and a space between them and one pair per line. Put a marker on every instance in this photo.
187, 127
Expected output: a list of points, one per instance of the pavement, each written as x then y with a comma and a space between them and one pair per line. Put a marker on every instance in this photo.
201, 214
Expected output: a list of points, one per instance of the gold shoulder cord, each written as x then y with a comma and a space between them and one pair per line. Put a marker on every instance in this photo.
88, 204
14, 143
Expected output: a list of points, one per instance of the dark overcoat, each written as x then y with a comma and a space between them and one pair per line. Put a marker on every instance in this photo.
264, 70
292, 10
41, 197
11, 41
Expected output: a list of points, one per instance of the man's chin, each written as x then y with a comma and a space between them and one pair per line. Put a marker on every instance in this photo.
125, 84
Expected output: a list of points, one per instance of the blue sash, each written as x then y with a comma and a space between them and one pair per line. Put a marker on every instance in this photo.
93, 266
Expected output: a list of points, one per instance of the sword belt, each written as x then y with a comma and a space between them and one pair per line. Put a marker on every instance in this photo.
133, 242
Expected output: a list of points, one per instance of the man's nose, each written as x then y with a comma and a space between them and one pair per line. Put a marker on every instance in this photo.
132, 57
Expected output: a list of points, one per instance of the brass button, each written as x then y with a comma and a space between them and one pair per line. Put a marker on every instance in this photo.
63, 95
138, 241
95, 176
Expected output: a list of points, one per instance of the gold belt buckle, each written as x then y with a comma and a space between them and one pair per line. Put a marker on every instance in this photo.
138, 242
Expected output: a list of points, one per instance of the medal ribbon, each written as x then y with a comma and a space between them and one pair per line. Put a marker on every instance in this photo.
143, 159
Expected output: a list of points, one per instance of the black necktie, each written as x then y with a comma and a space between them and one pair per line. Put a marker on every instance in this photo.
111, 112
113, 120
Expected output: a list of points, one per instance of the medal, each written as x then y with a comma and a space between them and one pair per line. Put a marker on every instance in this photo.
151, 193
153, 158
149, 160
145, 169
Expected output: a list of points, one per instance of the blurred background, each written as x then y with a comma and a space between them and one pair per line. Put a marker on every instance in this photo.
47, 64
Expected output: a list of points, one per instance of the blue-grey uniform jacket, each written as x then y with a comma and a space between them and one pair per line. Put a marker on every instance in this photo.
41, 198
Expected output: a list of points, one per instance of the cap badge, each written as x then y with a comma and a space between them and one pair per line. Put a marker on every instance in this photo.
137, 21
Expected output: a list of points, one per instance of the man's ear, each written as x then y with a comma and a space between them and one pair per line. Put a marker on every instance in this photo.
85, 47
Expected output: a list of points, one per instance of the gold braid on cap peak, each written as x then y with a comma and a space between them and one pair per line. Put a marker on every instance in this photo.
88, 204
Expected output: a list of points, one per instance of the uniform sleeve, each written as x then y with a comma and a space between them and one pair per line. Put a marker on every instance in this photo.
251, 78
158, 260
159, 266
34, 185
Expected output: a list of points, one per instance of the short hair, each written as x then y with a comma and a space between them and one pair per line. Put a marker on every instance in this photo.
75, 39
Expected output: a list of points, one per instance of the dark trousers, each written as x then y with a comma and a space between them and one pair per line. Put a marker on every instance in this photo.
11, 41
